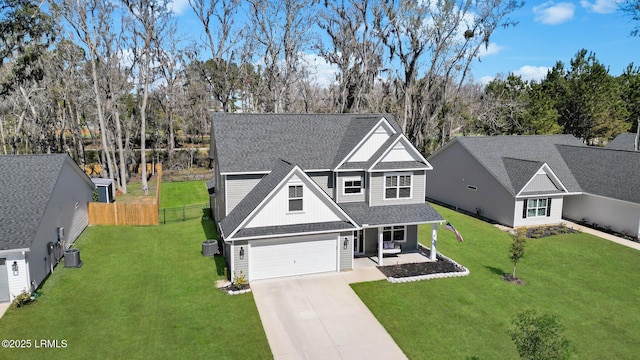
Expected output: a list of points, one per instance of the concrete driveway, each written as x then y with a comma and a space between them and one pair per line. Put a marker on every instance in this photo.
320, 317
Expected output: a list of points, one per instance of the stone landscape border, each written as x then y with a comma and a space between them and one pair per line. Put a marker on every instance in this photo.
464, 272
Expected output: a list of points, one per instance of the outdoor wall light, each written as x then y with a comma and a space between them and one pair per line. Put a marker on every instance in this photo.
14, 268
345, 244
241, 252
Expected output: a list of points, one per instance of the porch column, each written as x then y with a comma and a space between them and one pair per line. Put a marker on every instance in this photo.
434, 240
380, 246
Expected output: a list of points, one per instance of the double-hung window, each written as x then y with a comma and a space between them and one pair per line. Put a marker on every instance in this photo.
536, 208
394, 233
295, 198
352, 186
397, 186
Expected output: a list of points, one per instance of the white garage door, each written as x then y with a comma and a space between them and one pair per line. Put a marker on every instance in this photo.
272, 258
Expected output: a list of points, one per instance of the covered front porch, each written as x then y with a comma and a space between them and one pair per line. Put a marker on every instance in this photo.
402, 258
391, 229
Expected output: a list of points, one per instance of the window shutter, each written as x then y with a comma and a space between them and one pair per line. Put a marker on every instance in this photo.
549, 207
524, 209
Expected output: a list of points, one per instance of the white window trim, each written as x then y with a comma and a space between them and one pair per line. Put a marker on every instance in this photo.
538, 207
392, 229
384, 186
352, 178
289, 211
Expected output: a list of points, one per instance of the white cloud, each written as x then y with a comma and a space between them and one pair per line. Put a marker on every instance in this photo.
529, 72
552, 14
492, 49
178, 6
486, 79
324, 73
600, 6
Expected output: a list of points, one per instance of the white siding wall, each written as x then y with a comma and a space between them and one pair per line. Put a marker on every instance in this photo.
454, 171
371, 145
540, 182
555, 218
19, 283
621, 216
276, 211
398, 153
238, 186
377, 189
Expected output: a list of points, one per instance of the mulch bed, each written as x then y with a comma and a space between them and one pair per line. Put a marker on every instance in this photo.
442, 265
544, 231
513, 280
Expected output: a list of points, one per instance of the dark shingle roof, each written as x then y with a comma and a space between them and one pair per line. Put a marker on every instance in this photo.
520, 171
279, 170
294, 229
610, 173
391, 214
490, 151
26, 185
252, 142
624, 141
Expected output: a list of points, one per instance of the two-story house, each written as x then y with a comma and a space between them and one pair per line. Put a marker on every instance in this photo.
304, 193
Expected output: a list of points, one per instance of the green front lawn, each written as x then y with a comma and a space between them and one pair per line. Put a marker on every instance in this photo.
142, 293
590, 283
182, 193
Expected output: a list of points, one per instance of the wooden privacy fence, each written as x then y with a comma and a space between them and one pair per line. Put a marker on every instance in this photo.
123, 214
127, 213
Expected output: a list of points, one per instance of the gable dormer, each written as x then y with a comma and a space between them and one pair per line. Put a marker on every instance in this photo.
370, 143
399, 154
543, 181
285, 199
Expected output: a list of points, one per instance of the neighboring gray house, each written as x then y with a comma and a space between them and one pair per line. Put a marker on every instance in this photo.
43, 207
303, 193
538, 180
624, 141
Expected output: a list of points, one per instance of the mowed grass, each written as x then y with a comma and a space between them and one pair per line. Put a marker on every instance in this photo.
175, 194
141, 293
591, 285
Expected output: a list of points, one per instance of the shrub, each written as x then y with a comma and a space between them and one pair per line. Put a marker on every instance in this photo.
240, 280
22, 299
539, 337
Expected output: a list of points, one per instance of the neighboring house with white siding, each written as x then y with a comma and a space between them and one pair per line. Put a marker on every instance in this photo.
43, 207
538, 180
296, 194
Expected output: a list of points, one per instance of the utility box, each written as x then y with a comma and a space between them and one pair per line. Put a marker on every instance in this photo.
72, 258
104, 187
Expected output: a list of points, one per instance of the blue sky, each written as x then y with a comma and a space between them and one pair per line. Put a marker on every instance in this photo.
547, 32
553, 31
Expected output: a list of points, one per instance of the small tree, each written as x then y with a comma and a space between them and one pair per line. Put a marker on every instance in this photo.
539, 337
516, 250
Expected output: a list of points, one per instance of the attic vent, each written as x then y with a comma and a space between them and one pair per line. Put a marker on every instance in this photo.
471, 187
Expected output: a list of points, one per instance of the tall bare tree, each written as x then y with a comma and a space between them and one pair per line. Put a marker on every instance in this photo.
354, 49
149, 21
279, 35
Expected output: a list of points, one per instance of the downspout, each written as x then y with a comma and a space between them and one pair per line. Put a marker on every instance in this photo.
26, 265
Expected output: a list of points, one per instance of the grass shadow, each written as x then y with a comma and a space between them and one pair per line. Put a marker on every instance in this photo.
494, 270
208, 225
221, 266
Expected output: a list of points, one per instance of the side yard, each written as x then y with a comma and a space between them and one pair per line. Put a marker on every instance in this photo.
142, 292
590, 283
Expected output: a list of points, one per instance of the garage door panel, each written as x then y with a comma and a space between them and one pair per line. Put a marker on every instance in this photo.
287, 257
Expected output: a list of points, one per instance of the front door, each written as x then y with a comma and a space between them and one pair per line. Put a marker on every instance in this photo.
358, 243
